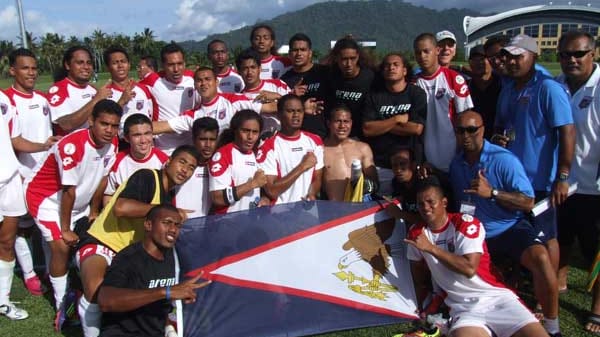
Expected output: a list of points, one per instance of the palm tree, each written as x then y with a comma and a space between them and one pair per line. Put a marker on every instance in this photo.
144, 43
51, 50
6, 47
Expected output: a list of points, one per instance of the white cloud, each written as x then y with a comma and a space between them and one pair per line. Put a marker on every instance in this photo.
199, 18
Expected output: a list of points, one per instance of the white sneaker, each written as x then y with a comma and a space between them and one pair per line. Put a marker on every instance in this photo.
12, 312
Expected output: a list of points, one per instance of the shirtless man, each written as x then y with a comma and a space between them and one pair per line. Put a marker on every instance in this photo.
339, 152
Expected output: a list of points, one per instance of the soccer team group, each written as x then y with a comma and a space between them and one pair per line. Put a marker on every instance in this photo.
108, 174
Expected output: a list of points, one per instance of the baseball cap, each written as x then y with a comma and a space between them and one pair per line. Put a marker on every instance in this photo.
520, 44
477, 50
444, 34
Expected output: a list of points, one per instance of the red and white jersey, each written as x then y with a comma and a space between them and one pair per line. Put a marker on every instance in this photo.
280, 154
447, 94
274, 67
230, 167
172, 100
74, 161
270, 121
33, 113
193, 194
463, 234
230, 81
9, 128
66, 97
222, 108
142, 102
125, 165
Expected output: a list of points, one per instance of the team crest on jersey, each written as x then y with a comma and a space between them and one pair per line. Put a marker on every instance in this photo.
275, 73
451, 247
46, 111
106, 161
221, 114
69, 149
467, 217
216, 156
585, 102
237, 87
4, 108
440, 93
190, 92
139, 105
53, 90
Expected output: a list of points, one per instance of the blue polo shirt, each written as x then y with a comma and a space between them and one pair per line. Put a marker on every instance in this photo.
535, 113
504, 172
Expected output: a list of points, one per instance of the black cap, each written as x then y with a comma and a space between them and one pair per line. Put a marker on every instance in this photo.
477, 50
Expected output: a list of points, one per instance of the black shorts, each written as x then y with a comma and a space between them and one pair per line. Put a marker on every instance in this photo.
513, 241
579, 217
545, 223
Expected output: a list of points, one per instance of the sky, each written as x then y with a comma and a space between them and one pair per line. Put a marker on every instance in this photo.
182, 20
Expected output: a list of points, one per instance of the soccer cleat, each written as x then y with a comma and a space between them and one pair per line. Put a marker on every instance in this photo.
34, 286
421, 332
12, 312
67, 313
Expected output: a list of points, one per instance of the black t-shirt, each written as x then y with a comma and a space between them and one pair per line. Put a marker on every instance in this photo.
382, 104
141, 186
351, 92
407, 196
484, 102
134, 268
317, 80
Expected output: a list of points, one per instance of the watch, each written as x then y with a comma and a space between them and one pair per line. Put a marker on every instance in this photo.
495, 193
563, 176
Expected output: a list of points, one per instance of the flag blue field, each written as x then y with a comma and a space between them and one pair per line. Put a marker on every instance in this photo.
296, 269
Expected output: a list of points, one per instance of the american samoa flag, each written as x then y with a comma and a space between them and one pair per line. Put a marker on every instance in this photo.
296, 269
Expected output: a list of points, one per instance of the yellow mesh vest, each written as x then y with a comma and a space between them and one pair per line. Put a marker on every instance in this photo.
118, 233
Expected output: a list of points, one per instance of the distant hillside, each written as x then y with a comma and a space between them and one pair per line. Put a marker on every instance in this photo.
393, 24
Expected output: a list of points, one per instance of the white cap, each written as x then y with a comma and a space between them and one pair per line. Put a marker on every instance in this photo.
444, 34
520, 44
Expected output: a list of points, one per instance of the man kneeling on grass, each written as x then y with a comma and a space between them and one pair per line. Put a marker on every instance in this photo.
141, 282
452, 247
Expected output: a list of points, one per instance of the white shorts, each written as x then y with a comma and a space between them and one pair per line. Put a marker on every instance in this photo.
92, 249
48, 221
501, 316
12, 197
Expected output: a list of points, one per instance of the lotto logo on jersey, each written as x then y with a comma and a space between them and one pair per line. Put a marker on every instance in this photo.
216, 168
440, 93
469, 228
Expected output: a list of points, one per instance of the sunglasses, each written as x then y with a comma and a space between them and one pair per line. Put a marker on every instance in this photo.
576, 54
461, 130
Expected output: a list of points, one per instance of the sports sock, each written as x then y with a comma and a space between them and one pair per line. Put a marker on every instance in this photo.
59, 284
24, 257
551, 325
90, 317
6, 276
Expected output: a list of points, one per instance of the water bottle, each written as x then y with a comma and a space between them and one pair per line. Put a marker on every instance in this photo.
355, 171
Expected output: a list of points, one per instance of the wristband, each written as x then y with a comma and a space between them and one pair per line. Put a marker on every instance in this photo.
228, 195
168, 293
235, 194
